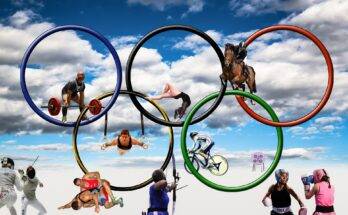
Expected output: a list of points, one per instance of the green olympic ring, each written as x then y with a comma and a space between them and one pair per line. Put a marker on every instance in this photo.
216, 186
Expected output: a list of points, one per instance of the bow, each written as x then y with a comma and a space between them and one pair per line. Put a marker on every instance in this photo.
176, 180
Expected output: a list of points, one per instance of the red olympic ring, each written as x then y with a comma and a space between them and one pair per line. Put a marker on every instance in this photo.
330, 81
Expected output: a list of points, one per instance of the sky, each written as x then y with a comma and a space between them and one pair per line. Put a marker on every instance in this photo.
291, 76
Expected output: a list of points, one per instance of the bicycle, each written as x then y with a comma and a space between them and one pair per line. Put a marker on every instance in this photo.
216, 164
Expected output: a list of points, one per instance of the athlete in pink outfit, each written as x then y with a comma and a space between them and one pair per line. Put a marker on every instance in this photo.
323, 192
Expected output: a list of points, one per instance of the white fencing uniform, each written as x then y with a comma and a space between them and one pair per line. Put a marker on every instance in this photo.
29, 196
8, 196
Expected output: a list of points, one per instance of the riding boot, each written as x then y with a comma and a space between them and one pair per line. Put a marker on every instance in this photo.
65, 112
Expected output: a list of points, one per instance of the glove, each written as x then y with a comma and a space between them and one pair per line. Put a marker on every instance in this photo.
24, 178
305, 180
21, 172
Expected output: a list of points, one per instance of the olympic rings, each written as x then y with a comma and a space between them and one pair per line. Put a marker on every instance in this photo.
328, 89
135, 51
190, 119
170, 132
30, 50
211, 184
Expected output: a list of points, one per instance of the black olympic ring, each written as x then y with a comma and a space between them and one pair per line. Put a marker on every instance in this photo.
135, 51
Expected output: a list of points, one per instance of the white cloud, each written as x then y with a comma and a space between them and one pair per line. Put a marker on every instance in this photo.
9, 142
194, 6
125, 41
20, 18
326, 125
256, 7
241, 157
29, 132
53, 65
283, 66
195, 42
327, 120
289, 153
44, 147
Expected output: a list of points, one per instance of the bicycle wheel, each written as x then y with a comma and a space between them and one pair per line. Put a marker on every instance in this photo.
218, 165
194, 162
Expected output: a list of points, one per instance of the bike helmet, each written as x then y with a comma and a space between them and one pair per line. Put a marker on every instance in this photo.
193, 134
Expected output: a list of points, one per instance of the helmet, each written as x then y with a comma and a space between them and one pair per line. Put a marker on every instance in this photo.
31, 172
158, 175
279, 172
7, 162
318, 174
193, 134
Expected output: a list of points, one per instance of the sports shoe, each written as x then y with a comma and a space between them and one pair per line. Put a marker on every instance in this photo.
119, 201
176, 113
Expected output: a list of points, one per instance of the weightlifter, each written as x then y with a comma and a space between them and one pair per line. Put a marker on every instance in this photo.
74, 90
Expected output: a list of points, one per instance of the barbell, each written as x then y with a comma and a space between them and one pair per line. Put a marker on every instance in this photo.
54, 106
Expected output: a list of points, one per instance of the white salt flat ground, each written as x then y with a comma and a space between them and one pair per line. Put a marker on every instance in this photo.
194, 199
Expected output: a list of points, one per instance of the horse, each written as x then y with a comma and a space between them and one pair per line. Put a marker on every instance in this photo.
236, 71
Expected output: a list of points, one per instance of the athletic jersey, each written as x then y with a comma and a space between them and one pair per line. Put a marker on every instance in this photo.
201, 141
280, 199
90, 184
29, 187
325, 195
158, 198
184, 97
127, 147
74, 87
9, 179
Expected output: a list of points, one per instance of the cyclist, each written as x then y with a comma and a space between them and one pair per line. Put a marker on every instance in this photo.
202, 145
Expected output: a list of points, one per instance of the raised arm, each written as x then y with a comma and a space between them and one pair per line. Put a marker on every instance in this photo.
160, 185
310, 193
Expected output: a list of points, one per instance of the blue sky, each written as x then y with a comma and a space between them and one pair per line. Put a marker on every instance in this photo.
322, 140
